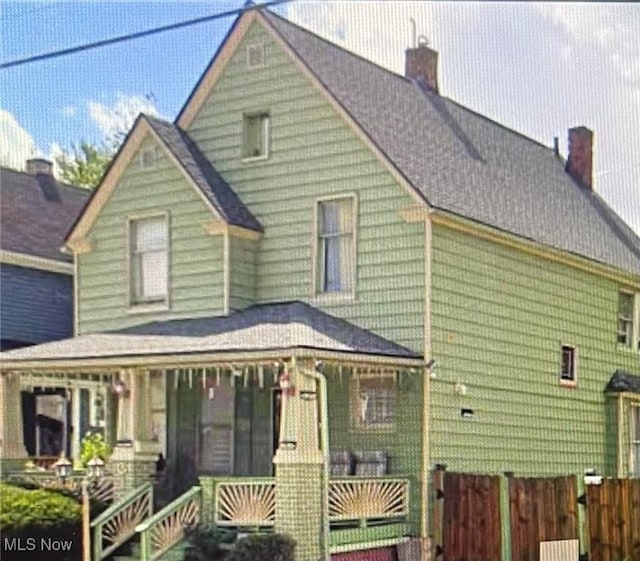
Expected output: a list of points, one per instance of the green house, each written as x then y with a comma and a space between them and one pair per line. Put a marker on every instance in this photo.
323, 280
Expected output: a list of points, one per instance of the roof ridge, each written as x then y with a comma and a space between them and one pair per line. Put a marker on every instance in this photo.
58, 181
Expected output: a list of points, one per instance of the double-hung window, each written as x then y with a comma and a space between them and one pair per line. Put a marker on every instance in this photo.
628, 329
568, 365
255, 141
336, 256
634, 441
149, 263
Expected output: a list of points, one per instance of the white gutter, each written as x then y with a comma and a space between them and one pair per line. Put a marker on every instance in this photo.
324, 443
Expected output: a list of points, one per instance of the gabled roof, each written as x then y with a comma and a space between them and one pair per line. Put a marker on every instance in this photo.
204, 175
36, 212
463, 163
200, 173
259, 329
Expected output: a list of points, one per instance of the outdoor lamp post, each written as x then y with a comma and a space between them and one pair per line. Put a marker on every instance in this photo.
95, 470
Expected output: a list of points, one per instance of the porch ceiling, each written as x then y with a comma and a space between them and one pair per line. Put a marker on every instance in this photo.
262, 331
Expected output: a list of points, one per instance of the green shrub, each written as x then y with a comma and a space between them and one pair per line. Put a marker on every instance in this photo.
263, 547
93, 445
207, 543
29, 518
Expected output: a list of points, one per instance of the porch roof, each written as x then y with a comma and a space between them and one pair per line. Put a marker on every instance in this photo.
261, 330
623, 382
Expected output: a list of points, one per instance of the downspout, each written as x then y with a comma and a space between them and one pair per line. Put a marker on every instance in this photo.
324, 443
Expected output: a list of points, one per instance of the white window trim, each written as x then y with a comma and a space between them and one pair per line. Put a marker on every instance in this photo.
266, 136
357, 423
263, 59
635, 325
134, 307
316, 293
633, 406
564, 381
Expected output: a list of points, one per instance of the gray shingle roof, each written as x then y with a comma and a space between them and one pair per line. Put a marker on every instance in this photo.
344, 333
622, 381
464, 163
36, 213
204, 175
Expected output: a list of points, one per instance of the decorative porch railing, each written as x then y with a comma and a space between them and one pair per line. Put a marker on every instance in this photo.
117, 524
245, 503
166, 527
368, 500
102, 489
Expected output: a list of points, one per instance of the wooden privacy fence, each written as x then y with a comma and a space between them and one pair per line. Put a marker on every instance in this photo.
541, 509
613, 520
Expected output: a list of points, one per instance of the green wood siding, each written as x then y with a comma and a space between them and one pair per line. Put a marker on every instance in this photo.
196, 259
499, 318
313, 153
242, 276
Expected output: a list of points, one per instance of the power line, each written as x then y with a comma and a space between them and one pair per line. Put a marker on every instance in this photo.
138, 35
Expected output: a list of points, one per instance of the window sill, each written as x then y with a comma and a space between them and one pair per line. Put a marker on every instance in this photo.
331, 297
251, 159
568, 383
151, 308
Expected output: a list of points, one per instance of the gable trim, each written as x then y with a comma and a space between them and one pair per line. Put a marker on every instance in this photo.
212, 74
536, 249
141, 130
34, 262
220, 227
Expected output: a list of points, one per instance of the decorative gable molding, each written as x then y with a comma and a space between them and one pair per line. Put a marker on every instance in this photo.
220, 227
414, 213
81, 245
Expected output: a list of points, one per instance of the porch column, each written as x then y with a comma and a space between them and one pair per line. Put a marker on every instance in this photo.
299, 468
135, 453
12, 451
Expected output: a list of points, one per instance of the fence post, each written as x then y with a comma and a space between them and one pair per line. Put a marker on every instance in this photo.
505, 514
583, 531
438, 509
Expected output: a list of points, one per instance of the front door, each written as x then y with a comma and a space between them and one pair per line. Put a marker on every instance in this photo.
216, 430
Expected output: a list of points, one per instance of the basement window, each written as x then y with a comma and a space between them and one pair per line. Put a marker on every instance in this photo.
568, 367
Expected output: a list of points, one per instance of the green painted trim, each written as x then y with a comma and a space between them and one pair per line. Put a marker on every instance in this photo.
168, 509
364, 537
125, 501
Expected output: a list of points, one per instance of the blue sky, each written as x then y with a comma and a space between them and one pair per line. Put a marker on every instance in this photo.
537, 68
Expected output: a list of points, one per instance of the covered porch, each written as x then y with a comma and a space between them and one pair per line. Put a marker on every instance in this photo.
276, 418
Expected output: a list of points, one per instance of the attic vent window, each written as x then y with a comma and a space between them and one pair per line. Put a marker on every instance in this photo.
255, 141
148, 158
256, 56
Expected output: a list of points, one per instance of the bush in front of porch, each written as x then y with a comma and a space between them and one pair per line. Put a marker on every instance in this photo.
209, 543
36, 524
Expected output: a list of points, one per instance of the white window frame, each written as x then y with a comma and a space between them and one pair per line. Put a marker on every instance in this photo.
633, 344
318, 279
570, 380
264, 117
136, 304
359, 403
634, 438
262, 58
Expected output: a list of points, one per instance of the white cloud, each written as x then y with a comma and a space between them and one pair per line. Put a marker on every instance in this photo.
16, 144
118, 117
69, 110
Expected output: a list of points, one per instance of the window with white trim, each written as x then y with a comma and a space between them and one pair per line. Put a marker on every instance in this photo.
373, 401
634, 441
629, 320
255, 136
149, 262
336, 256
568, 366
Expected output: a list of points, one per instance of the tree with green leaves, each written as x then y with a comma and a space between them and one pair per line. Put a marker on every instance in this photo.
85, 164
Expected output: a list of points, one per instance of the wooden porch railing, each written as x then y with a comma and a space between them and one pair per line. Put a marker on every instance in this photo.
368, 500
166, 527
102, 489
118, 523
249, 503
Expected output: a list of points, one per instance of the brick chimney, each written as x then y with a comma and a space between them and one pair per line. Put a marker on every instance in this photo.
39, 166
580, 162
421, 65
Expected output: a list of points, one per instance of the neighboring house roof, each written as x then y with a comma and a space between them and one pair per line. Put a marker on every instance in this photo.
622, 381
204, 175
36, 213
464, 163
260, 328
